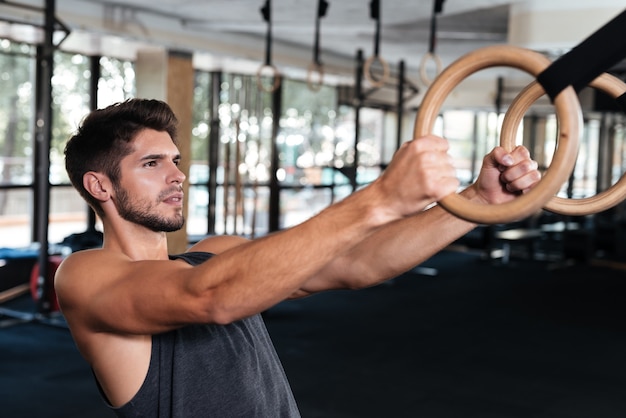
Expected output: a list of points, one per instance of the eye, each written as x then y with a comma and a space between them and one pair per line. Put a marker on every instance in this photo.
176, 161
151, 163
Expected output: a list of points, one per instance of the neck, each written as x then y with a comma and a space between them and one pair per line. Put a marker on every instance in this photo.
135, 241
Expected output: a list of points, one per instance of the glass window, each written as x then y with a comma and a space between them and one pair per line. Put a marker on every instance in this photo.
17, 64
117, 81
71, 102
16, 113
198, 201
16, 206
310, 156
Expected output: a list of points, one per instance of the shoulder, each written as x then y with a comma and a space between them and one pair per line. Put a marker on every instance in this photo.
78, 266
79, 261
88, 260
218, 244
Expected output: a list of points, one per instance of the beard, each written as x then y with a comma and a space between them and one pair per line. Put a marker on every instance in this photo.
140, 213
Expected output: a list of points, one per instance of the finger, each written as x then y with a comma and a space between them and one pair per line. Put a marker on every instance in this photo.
431, 142
521, 176
507, 160
498, 158
520, 169
520, 153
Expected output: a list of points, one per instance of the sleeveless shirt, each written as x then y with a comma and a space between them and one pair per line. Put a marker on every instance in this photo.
211, 370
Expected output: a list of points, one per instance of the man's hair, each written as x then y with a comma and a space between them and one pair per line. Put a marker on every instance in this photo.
105, 137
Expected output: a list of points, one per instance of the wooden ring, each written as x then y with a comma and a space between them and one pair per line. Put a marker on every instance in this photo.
438, 65
568, 114
367, 71
315, 68
259, 78
607, 83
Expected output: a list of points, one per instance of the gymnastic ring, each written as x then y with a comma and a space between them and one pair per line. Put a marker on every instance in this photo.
367, 71
275, 74
615, 194
315, 68
438, 66
568, 113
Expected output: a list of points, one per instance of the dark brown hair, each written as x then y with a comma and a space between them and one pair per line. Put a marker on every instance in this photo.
105, 137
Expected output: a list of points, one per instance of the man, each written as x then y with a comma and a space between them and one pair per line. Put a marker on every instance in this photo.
182, 335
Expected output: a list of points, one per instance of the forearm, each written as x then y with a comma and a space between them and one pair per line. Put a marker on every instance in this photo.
404, 244
258, 274
391, 250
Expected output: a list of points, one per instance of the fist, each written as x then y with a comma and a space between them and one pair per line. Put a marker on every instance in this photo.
420, 173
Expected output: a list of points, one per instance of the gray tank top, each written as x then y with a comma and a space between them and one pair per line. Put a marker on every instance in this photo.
217, 371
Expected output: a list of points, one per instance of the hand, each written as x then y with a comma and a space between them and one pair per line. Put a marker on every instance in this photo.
505, 175
421, 172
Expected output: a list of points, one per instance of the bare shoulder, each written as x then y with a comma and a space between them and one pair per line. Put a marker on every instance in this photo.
82, 269
218, 244
76, 264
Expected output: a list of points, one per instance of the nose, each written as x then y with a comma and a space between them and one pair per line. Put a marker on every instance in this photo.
177, 176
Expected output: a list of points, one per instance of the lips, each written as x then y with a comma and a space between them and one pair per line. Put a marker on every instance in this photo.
175, 198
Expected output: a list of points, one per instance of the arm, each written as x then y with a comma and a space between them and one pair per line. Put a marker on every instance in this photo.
149, 296
403, 244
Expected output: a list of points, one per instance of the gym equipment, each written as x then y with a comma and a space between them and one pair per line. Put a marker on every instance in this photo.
15, 267
41, 290
573, 207
316, 65
431, 55
44, 293
568, 113
376, 58
266, 12
561, 80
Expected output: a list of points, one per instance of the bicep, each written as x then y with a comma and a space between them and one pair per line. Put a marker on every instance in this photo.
134, 297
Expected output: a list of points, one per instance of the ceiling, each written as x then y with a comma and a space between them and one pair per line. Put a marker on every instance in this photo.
237, 29
233, 33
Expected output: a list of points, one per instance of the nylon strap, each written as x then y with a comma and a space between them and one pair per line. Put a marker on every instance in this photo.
266, 12
322, 6
586, 61
437, 8
375, 14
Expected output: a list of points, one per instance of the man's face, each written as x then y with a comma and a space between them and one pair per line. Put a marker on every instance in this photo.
150, 191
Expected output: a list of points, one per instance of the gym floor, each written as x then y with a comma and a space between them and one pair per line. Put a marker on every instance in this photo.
479, 339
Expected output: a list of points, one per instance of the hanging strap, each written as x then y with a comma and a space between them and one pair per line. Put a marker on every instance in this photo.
375, 14
586, 61
432, 43
266, 12
322, 6
437, 8
316, 67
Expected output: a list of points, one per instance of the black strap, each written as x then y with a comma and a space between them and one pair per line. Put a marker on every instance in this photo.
437, 8
375, 14
586, 61
266, 12
322, 6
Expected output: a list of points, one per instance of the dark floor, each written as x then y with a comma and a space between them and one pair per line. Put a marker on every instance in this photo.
477, 340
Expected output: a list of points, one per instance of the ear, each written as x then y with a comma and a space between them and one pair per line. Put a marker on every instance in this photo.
98, 185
